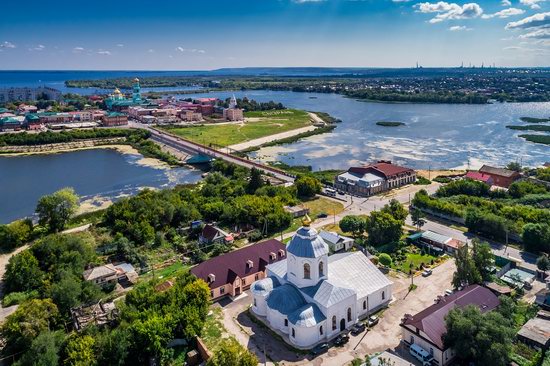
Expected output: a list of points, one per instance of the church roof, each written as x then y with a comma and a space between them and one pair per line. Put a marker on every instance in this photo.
308, 315
307, 244
285, 299
327, 294
264, 286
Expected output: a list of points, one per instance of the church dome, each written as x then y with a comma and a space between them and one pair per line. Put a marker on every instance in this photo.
306, 243
265, 286
308, 315
285, 299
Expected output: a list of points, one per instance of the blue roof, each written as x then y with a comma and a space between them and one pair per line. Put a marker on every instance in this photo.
265, 285
308, 315
328, 294
285, 299
307, 244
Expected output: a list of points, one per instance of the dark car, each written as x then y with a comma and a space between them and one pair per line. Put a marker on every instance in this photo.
322, 215
341, 339
373, 320
357, 328
426, 272
320, 348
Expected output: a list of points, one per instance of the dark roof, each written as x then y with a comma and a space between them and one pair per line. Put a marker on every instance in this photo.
385, 169
497, 171
209, 232
231, 265
431, 320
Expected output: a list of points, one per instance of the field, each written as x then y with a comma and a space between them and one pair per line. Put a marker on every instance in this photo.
317, 206
256, 125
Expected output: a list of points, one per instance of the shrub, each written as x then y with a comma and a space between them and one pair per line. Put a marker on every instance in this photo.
15, 298
385, 259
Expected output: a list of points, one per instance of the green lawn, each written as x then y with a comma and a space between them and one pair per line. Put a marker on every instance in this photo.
258, 124
415, 259
213, 328
316, 206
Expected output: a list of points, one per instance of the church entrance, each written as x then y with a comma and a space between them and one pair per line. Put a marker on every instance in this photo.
342, 325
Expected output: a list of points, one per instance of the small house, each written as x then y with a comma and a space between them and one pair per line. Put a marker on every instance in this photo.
214, 235
297, 211
536, 333
501, 177
336, 242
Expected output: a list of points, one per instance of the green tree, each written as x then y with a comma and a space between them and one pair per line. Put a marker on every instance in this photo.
385, 259
29, 320
67, 292
113, 347
231, 353
80, 351
44, 350
418, 218
536, 237
307, 186
382, 228
543, 263
514, 165
352, 224
466, 271
485, 339
255, 182
15, 234
22, 273
483, 258
54, 210
396, 209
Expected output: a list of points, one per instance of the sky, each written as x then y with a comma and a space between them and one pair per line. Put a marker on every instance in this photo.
211, 34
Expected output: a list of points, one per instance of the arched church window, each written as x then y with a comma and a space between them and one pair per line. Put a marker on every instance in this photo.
321, 330
334, 322
293, 333
307, 271
364, 305
321, 269
349, 314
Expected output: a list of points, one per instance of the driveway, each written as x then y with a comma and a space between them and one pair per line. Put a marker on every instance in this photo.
385, 335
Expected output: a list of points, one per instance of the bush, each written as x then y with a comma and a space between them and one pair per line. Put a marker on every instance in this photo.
385, 259
442, 179
422, 181
464, 186
15, 298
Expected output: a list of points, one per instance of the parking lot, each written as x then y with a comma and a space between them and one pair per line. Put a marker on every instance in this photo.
385, 335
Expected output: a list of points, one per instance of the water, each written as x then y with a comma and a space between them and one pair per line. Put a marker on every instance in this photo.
99, 172
436, 136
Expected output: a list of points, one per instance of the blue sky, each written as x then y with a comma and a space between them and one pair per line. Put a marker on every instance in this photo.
209, 34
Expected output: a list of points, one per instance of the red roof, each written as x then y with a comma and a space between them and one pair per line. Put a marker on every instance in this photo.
431, 320
386, 169
478, 176
229, 266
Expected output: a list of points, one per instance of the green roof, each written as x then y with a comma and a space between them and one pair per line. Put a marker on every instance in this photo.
115, 114
9, 120
32, 117
4, 110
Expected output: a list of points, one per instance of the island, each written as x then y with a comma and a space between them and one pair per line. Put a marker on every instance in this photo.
534, 120
390, 123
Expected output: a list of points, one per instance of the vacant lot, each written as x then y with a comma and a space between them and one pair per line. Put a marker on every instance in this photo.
257, 124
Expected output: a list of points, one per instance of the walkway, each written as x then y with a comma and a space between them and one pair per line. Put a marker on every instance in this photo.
263, 140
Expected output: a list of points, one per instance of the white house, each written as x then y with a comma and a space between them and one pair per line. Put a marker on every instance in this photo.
336, 242
312, 297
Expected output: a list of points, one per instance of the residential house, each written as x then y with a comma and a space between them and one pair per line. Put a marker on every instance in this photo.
336, 242
297, 211
114, 119
110, 274
234, 272
481, 177
501, 177
437, 242
214, 235
536, 332
426, 329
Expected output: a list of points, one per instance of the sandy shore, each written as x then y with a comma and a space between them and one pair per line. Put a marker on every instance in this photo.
439, 173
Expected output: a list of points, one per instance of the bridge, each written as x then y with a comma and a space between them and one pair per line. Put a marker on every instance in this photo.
194, 148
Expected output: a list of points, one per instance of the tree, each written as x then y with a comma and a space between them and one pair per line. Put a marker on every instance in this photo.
80, 351
536, 237
484, 339
418, 218
466, 271
514, 165
29, 320
22, 273
44, 350
231, 353
307, 186
352, 224
54, 210
15, 234
385, 259
255, 181
396, 209
66, 293
543, 263
483, 258
382, 228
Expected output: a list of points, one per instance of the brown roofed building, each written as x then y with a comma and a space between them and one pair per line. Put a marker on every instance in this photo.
234, 272
214, 235
501, 177
426, 329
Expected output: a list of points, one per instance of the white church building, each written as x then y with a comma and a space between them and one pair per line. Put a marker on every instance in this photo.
312, 297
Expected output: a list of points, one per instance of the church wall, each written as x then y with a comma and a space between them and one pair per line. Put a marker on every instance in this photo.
375, 301
277, 320
340, 310
259, 306
296, 270
307, 337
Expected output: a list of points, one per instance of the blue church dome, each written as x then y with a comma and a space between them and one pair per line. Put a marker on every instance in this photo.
308, 315
285, 299
264, 286
306, 243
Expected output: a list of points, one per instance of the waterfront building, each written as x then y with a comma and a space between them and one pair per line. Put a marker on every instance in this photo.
114, 119
501, 177
32, 122
117, 101
28, 94
24, 109
375, 178
426, 329
11, 123
232, 273
311, 297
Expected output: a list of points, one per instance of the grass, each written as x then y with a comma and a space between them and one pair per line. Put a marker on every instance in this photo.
265, 123
213, 328
415, 259
324, 176
168, 272
317, 206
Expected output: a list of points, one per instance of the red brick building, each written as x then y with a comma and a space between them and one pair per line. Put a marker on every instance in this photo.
501, 177
114, 119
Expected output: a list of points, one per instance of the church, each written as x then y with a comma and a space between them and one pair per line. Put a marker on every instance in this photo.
312, 297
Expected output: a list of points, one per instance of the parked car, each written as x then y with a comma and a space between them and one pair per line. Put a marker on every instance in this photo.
341, 193
427, 272
319, 349
421, 355
448, 292
341, 340
322, 215
373, 320
330, 192
357, 328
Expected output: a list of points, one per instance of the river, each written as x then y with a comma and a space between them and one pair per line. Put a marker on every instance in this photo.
94, 174
435, 135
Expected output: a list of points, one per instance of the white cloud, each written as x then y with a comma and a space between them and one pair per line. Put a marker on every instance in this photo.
537, 20
39, 47
105, 53
190, 50
457, 28
150, 50
7, 44
448, 11
506, 3
78, 49
533, 4
512, 48
120, 45
181, 49
542, 33
504, 13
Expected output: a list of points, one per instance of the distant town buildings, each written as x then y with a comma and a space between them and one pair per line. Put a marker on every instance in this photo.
113, 119
117, 101
27, 94
233, 113
375, 178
